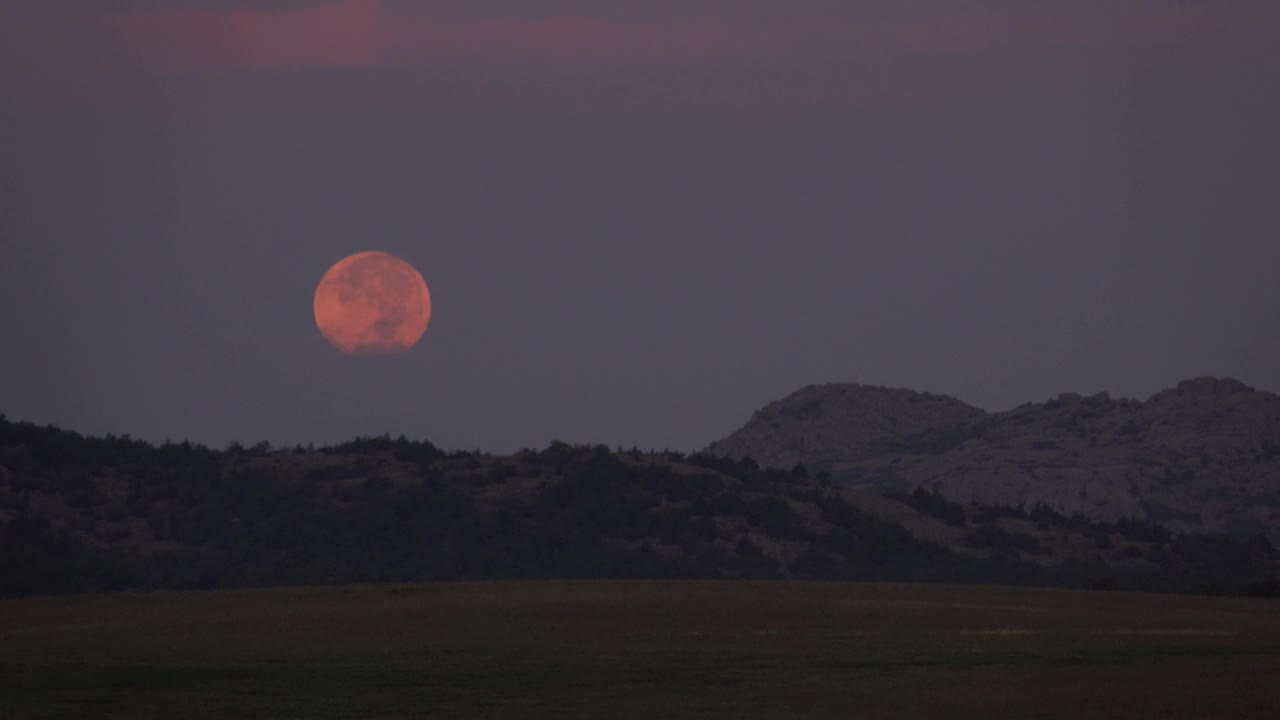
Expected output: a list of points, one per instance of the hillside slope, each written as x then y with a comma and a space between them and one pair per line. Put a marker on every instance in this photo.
1201, 457
81, 513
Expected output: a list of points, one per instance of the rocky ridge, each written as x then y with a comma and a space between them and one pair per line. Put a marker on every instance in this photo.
1201, 457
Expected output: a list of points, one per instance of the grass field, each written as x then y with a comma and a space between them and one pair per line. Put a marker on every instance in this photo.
640, 650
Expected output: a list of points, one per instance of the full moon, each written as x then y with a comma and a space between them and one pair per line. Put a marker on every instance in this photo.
372, 303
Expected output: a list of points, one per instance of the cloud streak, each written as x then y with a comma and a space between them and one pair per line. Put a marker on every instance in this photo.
90, 42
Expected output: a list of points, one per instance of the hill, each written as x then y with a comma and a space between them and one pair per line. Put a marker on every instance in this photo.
1202, 457
80, 513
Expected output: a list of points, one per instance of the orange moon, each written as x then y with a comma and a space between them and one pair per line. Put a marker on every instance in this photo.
372, 303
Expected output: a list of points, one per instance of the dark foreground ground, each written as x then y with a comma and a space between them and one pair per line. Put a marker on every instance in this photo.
640, 650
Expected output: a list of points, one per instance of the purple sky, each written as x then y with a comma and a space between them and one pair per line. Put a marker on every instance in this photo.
640, 220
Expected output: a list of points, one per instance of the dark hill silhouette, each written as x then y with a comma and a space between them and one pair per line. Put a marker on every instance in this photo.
1201, 457
80, 513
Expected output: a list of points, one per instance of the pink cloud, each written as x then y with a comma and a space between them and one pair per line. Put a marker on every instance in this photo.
95, 41
1116, 25
566, 39
344, 34
338, 34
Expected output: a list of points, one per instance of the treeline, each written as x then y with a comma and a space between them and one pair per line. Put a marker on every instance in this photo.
222, 520
95, 514
1186, 562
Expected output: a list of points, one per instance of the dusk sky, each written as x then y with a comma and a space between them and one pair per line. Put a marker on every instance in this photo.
640, 220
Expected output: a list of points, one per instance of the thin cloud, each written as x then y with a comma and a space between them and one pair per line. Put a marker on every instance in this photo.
146, 38
336, 34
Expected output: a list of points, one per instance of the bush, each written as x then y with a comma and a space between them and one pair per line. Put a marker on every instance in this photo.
932, 503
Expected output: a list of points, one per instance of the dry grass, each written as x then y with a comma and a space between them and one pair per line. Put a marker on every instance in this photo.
639, 649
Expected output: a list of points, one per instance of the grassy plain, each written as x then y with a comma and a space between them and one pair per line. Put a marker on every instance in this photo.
639, 650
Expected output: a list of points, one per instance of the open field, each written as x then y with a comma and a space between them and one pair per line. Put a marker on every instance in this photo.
639, 650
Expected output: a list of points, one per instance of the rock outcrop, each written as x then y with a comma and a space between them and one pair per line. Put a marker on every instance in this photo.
1203, 457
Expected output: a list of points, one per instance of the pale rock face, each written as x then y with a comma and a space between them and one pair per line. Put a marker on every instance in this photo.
825, 424
1204, 456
